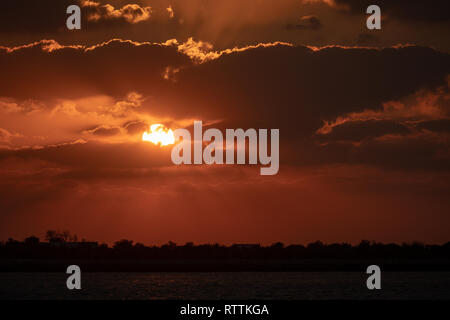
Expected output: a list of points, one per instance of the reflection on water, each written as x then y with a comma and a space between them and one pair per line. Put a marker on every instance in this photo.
226, 285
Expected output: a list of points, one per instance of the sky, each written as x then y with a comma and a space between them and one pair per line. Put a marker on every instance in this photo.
364, 120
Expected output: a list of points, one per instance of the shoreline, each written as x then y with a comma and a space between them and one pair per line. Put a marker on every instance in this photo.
218, 265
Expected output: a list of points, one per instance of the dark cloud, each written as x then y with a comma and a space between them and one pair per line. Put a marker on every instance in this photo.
306, 23
47, 70
275, 85
367, 39
296, 89
441, 125
291, 88
103, 131
33, 16
136, 127
359, 130
415, 152
94, 155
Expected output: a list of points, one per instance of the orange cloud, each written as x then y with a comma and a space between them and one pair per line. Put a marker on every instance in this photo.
170, 11
423, 105
201, 51
131, 13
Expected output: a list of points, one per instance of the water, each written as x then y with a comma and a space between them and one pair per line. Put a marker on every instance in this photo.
226, 285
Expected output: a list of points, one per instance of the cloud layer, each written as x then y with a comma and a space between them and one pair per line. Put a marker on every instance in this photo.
364, 119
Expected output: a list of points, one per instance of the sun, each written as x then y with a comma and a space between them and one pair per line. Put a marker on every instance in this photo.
159, 135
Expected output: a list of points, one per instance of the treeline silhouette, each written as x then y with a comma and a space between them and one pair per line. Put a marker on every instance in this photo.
63, 245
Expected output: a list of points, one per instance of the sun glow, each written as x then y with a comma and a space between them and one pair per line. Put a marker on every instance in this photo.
159, 135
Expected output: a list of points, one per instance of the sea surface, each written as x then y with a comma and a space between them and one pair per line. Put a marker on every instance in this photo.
225, 285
